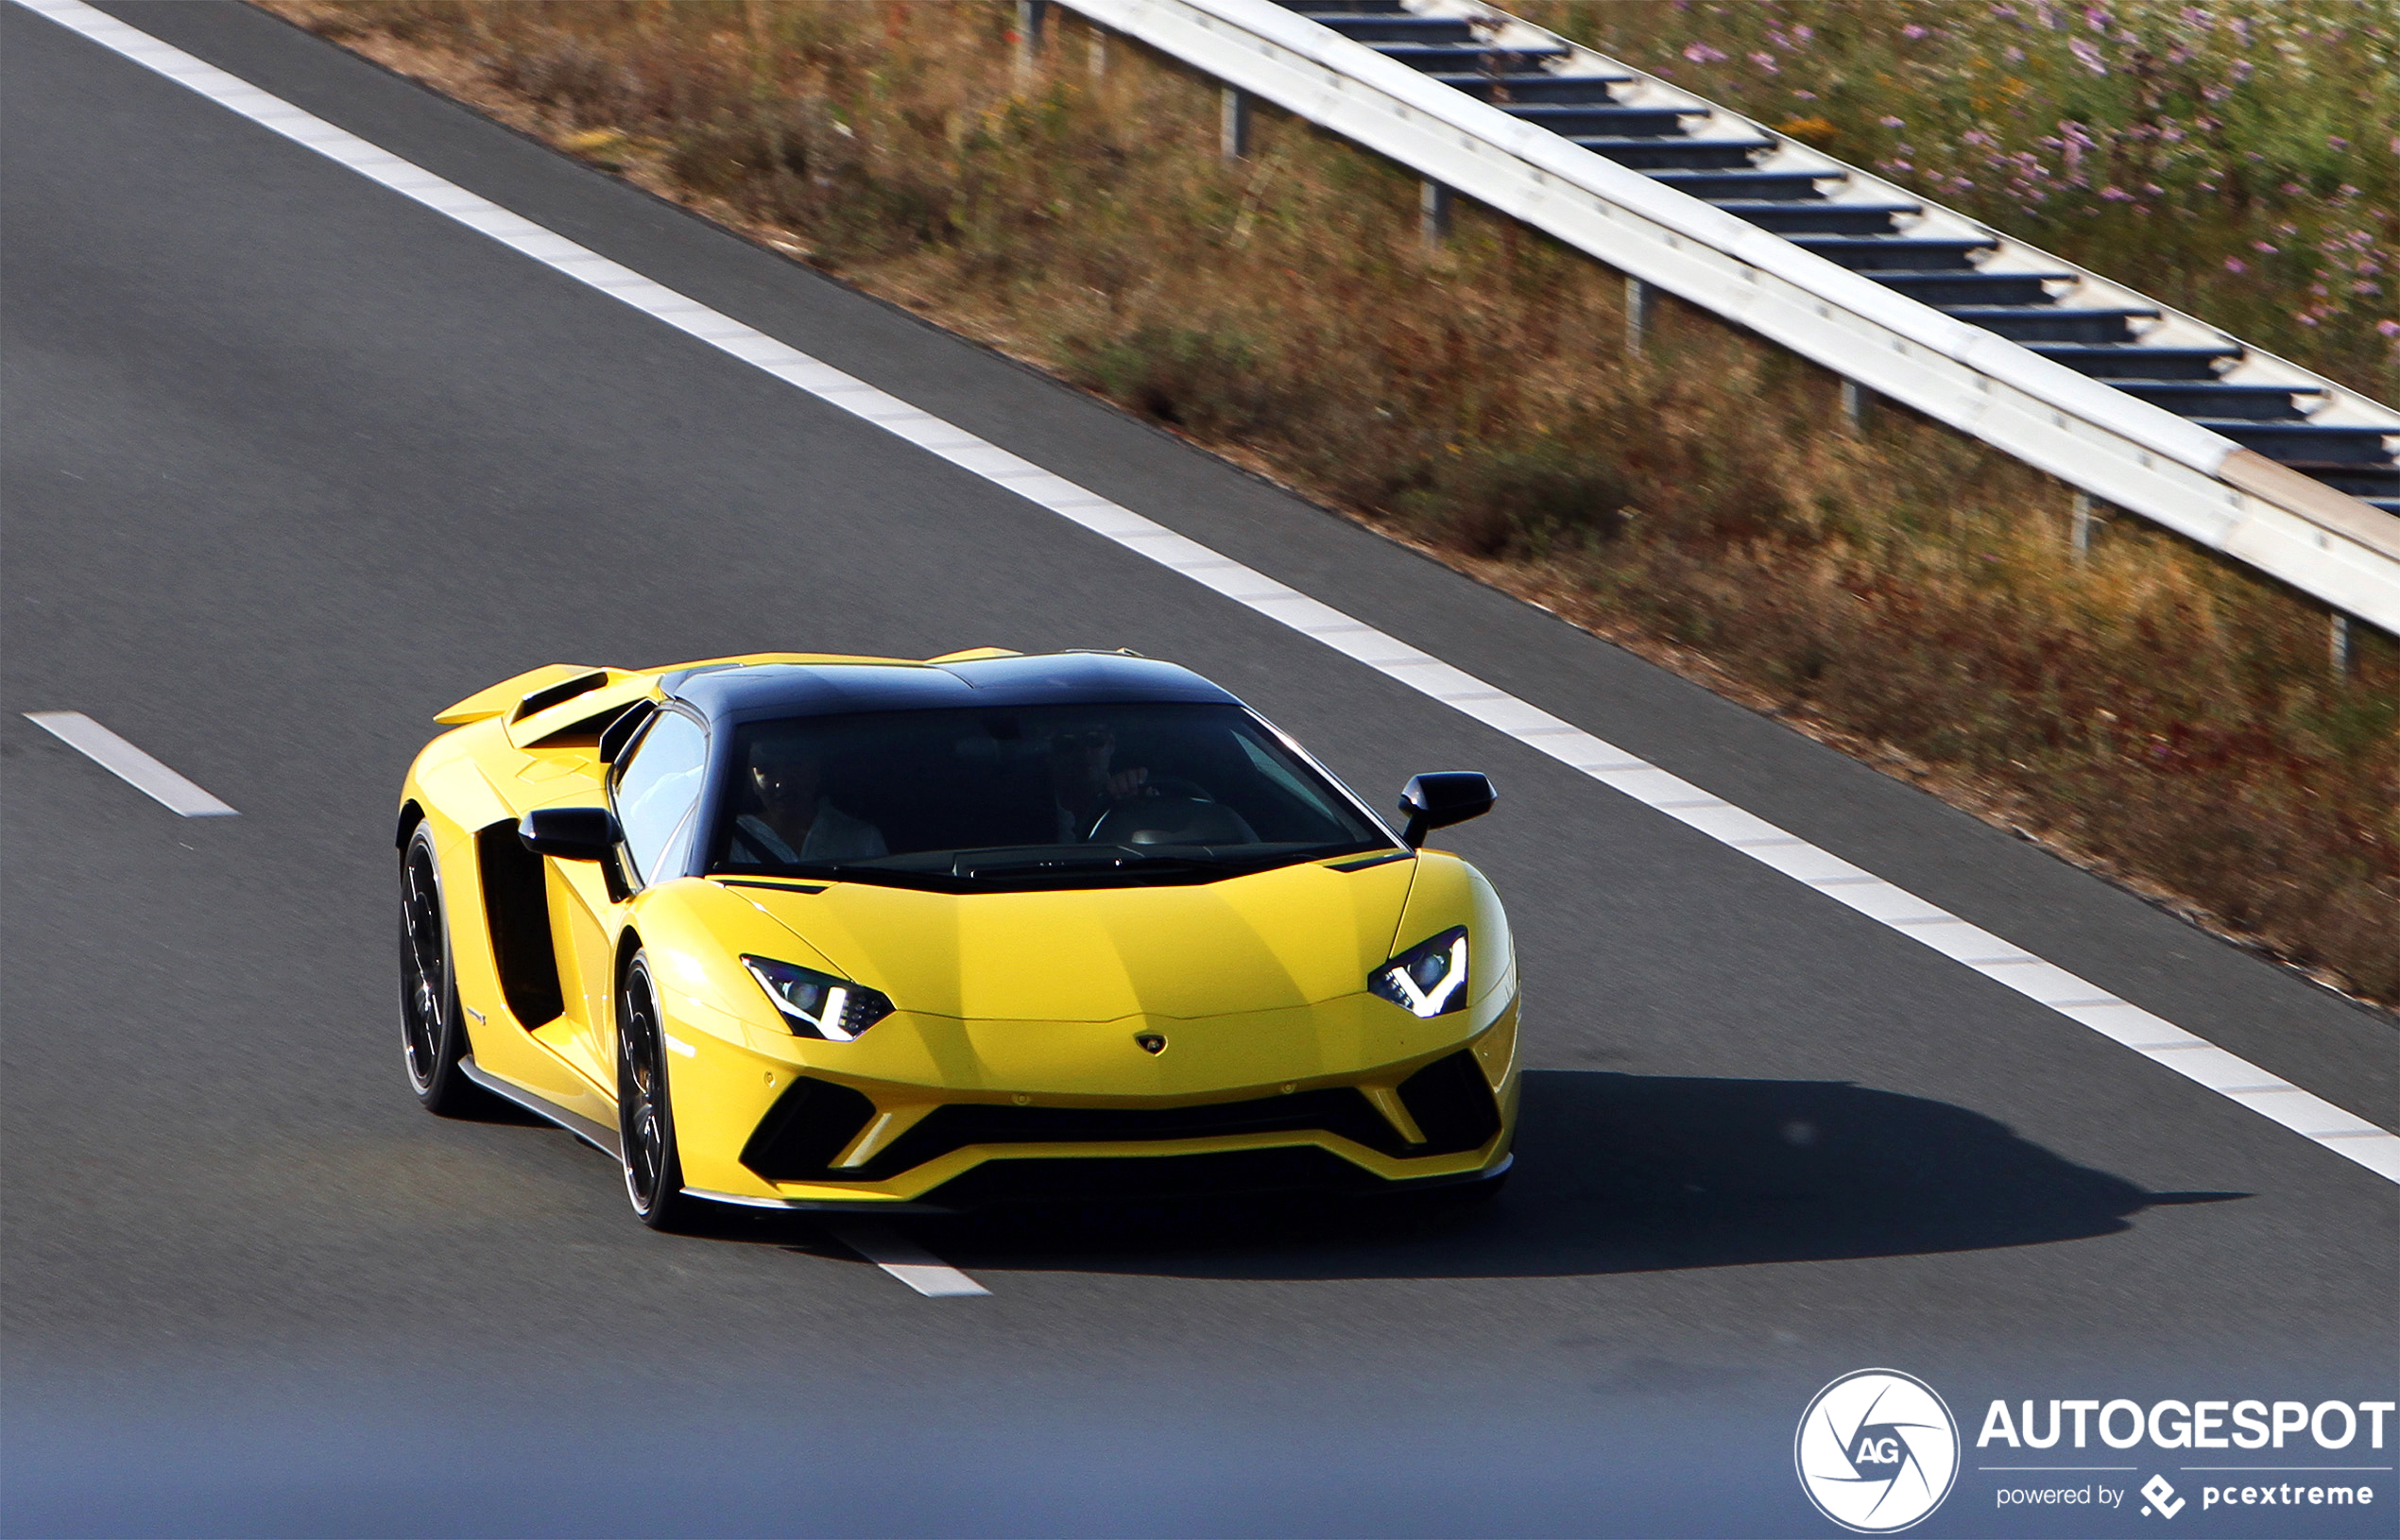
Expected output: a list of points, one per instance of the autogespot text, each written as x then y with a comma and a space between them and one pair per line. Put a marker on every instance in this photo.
2178, 1425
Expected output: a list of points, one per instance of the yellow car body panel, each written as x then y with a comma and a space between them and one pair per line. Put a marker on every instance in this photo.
1255, 984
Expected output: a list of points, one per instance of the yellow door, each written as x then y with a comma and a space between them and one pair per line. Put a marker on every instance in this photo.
653, 789
583, 918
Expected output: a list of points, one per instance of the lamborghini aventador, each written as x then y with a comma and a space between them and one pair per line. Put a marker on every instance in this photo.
810, 931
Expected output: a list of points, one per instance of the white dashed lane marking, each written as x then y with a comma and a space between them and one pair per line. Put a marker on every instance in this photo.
908, 1261
2160, 1041
128, 764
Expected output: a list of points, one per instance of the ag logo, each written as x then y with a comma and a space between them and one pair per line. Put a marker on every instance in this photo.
1876, 1450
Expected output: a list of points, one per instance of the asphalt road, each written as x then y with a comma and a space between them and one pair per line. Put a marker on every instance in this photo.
291, 463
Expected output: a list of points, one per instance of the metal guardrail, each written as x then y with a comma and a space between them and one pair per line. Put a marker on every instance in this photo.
2111, 445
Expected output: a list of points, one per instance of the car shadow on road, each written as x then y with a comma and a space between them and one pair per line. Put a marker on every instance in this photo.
1624, 1173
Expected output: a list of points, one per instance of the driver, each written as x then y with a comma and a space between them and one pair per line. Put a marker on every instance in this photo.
795, 823
1083, 785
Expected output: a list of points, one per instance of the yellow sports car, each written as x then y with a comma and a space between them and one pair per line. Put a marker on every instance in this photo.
810, 931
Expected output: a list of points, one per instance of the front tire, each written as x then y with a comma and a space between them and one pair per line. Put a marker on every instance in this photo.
431, 1037
645, 1111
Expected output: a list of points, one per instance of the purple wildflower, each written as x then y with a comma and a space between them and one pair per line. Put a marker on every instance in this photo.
1700, 53
2088, 56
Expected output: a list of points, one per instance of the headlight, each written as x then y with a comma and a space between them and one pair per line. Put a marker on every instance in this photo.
818, 1004
1429, 979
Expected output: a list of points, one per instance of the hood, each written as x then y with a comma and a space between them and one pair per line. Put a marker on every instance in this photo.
1297, 935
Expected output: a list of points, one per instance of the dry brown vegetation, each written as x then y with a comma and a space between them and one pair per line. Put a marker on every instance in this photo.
2151, 710
2223, 158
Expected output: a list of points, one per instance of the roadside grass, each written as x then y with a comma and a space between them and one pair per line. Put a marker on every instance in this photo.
2149, 711
2239, 160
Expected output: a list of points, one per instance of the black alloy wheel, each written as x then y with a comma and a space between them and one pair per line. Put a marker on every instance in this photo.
432, 1038
645, 1114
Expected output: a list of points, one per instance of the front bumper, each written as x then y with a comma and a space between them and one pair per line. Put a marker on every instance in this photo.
1417, 1104
1003, 1182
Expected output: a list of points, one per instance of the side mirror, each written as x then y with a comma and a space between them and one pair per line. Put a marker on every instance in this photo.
1442, 797
571, 833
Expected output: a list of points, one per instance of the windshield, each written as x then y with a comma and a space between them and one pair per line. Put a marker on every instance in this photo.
1040, 796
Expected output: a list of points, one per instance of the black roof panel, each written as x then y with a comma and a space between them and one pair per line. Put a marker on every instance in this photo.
779, 690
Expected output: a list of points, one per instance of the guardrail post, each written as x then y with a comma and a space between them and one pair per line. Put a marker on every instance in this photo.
1638, 301
1853, 405
2338, 645
1432, 212
1233, 124
2079, 526
1097, 64
1033, 20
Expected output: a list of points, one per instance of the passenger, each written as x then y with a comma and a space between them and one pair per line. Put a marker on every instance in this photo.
793, 823
1083, 786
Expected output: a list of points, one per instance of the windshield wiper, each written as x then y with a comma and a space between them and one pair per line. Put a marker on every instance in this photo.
806, 871
1005, 862
1070, 860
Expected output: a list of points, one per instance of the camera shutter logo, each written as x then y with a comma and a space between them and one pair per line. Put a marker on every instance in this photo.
1876, 1450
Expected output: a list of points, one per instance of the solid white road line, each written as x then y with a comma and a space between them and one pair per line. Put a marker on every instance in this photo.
2156, 1039
127, 763
908, 1261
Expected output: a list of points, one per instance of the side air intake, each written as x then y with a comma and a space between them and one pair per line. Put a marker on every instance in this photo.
565, 689
517, 907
